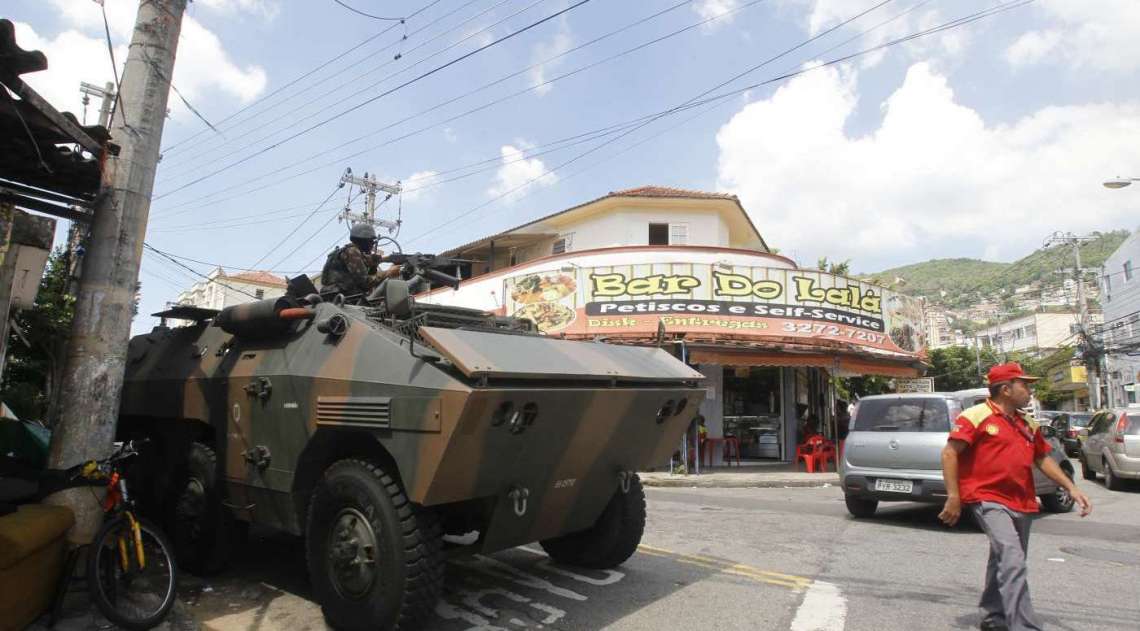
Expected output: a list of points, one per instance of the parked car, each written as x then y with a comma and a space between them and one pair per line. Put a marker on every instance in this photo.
1068, 426
1112, 447
894, 452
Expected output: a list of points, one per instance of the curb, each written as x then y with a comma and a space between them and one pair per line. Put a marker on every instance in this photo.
689, 482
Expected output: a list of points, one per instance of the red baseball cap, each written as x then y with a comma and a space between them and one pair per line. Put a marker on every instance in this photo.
1007, 372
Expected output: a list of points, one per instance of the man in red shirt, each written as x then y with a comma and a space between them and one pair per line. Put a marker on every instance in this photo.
988, 466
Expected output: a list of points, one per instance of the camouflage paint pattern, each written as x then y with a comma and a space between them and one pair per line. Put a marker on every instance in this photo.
274, 387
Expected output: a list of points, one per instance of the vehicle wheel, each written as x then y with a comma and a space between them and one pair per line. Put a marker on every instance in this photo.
1059, 501
202, 528
611, 540
1111, 481
133, 592
860, 507
1086, 471
375, 560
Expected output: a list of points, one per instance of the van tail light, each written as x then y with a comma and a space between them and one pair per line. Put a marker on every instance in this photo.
1121, 428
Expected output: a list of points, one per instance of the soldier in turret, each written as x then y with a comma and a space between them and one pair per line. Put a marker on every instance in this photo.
353, 268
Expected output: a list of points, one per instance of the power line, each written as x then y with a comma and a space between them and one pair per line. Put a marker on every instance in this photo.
377, 97
298, 226
114, 68
262, 124
369, 15
943, 27
195, 272
300, 78
309, 158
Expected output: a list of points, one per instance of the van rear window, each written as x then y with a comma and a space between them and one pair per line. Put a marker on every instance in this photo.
902, 415
1133, 428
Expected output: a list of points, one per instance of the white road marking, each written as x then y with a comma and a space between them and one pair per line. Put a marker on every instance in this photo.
498, 569
824, 609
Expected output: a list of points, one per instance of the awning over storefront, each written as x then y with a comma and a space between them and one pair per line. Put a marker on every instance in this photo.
834, 363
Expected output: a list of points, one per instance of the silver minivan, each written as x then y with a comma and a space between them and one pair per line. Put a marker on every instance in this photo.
1112, 447
893, 452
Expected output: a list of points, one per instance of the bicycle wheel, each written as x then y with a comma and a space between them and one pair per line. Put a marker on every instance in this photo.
133, 591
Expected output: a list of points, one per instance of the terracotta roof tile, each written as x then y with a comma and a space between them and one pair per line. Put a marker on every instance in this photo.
668, 191
264, 278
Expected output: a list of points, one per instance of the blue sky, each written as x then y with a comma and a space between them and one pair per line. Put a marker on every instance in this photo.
975, 142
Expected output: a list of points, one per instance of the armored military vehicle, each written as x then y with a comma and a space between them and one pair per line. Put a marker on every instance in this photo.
392, 434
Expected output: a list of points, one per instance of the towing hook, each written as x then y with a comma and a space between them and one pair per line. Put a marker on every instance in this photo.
519, 494
624, 480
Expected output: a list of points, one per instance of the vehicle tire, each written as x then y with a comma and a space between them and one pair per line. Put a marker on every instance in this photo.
149, 591
202, 527
612, 539
1111, 481
860, 507
1059, 501
375, 560
1086, 471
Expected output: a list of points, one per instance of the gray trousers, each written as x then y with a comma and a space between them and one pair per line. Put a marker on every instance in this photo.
1006, 595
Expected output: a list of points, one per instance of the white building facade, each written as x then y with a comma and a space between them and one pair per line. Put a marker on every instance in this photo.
1034, 333
220, 290
1120, 297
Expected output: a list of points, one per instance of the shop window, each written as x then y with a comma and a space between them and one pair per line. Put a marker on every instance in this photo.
1127, 270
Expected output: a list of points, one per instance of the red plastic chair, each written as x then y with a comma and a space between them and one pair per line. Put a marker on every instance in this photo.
816, 451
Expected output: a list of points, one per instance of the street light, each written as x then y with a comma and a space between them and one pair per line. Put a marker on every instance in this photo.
1120, 182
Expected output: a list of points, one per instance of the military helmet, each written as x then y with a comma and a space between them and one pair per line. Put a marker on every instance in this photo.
362, 232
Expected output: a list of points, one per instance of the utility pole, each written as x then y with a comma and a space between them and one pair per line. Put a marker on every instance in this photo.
370, 186
1070, 239
96, 358
106, 93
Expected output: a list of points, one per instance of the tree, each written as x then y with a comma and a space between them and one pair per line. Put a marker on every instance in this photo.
956, 367
37, 349
842, 268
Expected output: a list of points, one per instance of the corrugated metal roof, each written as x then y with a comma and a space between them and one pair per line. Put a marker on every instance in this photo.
39, 167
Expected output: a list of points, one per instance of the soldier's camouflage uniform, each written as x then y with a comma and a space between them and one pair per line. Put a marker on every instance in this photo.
349, 271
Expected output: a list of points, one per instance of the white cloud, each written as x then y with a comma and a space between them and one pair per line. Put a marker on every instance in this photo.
449, 134
260, 8
1032, 47
72, 57
203, 67
412, 185
559, 44
933, 180
890, 23
708, 9
516, 173
1102, 35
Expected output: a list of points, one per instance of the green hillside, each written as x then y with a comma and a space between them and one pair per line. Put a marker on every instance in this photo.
967, 281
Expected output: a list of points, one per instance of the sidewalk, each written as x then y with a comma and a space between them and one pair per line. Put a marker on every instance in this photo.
751, 475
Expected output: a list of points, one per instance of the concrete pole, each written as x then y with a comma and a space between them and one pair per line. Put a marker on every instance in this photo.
96, 359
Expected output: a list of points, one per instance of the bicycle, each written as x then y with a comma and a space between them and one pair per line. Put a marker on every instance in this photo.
131, 573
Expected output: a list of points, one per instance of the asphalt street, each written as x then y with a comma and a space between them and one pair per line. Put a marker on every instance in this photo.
743, 559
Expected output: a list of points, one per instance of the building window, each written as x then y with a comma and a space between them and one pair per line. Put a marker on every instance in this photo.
1127, 271
260, 293
562, 244
668, 234
678, 234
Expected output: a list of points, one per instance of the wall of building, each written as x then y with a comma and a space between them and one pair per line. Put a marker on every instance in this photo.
215, 295
1120, 297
